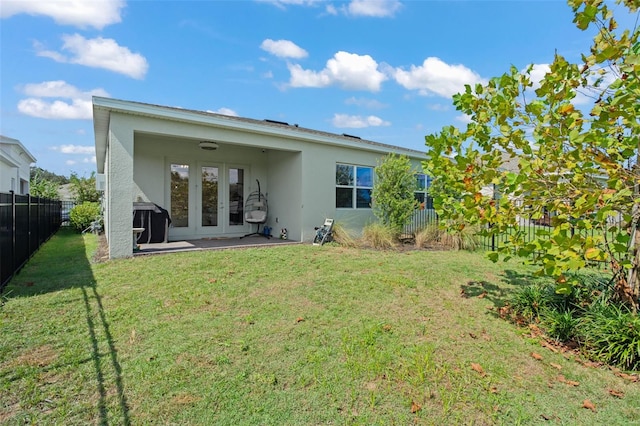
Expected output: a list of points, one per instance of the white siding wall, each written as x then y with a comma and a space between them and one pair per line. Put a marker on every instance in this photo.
15, 169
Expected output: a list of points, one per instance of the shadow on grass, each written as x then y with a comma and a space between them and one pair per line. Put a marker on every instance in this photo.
496, 294
62, 263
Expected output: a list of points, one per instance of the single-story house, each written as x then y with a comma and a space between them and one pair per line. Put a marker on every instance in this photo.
15, 166
202, 167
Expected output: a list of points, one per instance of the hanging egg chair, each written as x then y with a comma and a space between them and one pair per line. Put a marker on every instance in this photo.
256, 210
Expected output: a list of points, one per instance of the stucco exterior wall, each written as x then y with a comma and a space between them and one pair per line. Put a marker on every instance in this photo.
284, 175
296, 169
119, 202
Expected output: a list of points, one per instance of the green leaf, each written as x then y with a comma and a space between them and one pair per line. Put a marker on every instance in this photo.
564, 289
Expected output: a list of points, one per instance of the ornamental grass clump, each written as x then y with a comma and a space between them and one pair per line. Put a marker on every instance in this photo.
341, 236
379, 236
463, 239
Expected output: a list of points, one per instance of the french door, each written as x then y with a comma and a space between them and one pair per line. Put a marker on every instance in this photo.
206, 199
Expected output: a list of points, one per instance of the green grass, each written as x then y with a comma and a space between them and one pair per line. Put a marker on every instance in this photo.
283, 335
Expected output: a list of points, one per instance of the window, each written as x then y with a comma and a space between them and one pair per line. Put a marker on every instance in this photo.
422, 191
179, 195
353, 186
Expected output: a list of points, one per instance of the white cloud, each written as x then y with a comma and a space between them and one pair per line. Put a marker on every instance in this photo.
225, 111
357, 121
283, 49
373, 8
538, 71
282, 4
368, 8
70, 162
79, 13
74, 149
584, 96
436, 77
76, 104
438, 107
349, 71
98, 53
77, 109
364, 102
464, 118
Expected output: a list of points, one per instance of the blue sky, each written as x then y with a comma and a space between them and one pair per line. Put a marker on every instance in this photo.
384, 70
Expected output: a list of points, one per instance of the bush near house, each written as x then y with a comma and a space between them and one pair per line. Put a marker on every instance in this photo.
83, 215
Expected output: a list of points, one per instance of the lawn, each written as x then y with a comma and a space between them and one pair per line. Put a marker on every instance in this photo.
299, 334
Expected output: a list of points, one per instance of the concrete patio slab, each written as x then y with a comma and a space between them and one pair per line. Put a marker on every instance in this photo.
210, 244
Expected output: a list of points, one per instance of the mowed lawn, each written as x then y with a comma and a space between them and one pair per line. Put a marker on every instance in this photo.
290, 335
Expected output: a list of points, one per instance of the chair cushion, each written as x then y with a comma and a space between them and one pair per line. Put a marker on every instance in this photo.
255, 216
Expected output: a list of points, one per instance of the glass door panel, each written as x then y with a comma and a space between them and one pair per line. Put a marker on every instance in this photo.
180, 195
210, 183
236, 196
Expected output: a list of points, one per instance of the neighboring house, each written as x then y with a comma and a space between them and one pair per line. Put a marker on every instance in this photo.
202, 166
15, 166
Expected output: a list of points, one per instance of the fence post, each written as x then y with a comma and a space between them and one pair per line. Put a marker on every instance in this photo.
493, 238
13, 233
29, 227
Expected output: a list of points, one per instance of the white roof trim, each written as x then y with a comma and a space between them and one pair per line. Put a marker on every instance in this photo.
102, 108
11, 141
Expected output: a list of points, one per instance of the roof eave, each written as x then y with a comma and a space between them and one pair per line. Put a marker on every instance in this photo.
102, 107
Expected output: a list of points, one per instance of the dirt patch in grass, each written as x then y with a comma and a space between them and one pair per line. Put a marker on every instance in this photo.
184, 399
102, 252
9, 410
38, 357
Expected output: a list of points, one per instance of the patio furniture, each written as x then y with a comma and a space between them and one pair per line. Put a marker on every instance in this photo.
256, 211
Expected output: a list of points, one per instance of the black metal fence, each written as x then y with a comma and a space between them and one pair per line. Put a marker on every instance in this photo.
528, 229
26, 222
420, 219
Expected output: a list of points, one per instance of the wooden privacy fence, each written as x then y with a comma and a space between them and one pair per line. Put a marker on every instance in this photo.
26, 222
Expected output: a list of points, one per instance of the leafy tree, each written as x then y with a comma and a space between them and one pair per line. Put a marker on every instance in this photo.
40, 186
393, 192
47, 175
84, 188
578, 164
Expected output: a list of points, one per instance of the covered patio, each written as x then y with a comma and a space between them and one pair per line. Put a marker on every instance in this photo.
211, 244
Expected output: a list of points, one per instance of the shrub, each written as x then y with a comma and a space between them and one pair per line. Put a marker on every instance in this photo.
590, 316
82, 215
611, 334
559, 324
591, 287
531, 300
379, 236
394, 192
